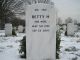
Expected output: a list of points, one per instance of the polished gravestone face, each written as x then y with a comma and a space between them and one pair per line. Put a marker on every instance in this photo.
8, 29
41, 32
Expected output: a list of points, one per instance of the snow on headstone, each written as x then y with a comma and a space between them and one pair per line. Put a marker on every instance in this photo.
41, 32
70, 29
20, 28
8, 29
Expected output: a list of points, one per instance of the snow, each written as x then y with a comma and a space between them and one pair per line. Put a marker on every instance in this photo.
70, 47
9, 47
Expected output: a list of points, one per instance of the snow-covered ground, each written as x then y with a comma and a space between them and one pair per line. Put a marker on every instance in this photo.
70, 47
9, 47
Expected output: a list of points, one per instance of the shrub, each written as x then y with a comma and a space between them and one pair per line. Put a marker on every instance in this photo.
71, 49
23, 47
57, 43
61, 28
13, 32
75, 58
65, 33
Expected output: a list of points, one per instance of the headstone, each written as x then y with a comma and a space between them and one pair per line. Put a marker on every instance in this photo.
70, 29
68, 20
8, 29
20, 28
75, 22
41, 32
75, 28
64, 27
59, 21
2, 31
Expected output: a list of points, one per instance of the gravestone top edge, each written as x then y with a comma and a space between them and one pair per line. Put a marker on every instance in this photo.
40, 4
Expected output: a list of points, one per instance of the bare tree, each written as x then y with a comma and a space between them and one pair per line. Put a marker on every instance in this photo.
8, 9
13, 5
